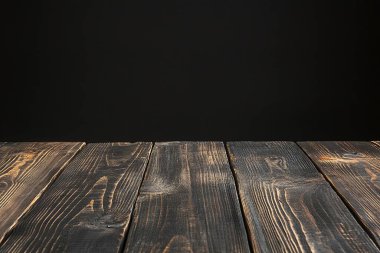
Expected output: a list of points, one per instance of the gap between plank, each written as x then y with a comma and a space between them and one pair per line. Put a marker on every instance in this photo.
125, 237
247, 231
349, 207
40, 195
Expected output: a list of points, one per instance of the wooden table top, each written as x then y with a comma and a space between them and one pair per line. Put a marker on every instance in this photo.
190, 197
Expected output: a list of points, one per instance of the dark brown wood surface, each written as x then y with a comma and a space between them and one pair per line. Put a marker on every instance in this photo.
88, 208
288, 205
52, 202
353, 168
188, 202
26, 170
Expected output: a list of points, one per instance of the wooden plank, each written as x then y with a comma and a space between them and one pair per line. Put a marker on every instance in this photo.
288, 205
353, 168
188, 202
26, 170
88, 208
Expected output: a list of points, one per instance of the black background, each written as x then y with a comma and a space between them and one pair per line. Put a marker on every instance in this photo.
107, 70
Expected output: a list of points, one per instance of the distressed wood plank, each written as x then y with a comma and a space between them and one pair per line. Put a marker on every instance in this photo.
26, 170
288, 205
353, 168
88, 208
188, 202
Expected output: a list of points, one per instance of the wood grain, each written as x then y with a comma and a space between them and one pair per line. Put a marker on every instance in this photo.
377, 143
88, 208
26, 170
353, 168
188, 202
288, 205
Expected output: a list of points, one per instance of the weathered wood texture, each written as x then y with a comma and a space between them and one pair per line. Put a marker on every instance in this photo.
377, 143
88, 208
188, 202
288, 205
26, 170
353, 168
